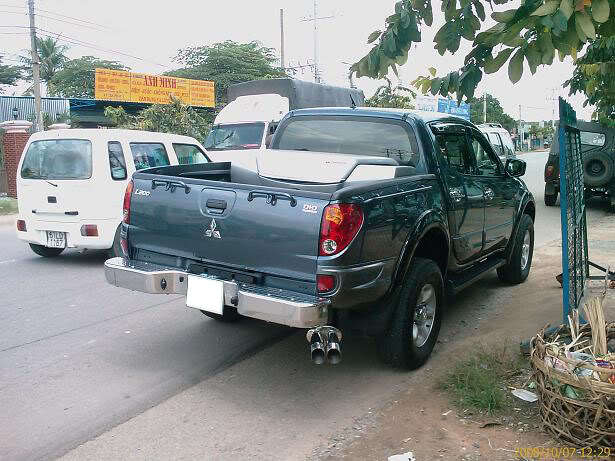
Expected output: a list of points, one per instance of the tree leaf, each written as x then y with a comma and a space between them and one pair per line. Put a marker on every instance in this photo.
586, 24
448, 38
560, 22
515, 66
445, 84
567, 8
480, 10
432, 71
533, 57
601, 10
547, 8
503, 16
492, 65
545, 45
374, 36
579, 31
389, 44
424, 9
435, 85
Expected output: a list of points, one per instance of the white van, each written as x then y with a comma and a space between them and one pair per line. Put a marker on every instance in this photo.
500, 139
71, 183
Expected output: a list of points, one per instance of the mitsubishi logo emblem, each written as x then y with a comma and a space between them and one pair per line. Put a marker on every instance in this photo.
212, 232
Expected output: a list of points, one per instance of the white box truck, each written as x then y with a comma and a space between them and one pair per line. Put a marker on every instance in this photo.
245, 125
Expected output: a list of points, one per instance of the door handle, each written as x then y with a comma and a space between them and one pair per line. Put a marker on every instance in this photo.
489, 194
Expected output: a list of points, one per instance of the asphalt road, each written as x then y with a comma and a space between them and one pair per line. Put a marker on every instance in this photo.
78, 357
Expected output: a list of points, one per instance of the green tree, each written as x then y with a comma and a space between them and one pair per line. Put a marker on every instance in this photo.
533, 31
593, 76
227, 63
495, 112
76, 78
175, 117
52, 56
389, 96
9, 75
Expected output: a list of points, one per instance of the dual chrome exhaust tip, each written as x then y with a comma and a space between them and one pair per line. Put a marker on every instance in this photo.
325, 345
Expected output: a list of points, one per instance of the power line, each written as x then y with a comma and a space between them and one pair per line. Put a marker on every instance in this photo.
70, 22
75, 41
76, 19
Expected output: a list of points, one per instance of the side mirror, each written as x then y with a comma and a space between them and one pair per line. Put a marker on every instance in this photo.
515, 167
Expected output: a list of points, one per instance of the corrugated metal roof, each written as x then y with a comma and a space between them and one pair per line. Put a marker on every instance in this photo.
25, 107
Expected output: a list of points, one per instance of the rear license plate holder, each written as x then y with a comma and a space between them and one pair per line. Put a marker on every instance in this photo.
56, 239
205, 294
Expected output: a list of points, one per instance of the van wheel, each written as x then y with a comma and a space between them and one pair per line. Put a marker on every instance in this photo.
229, 315
416, 320
45, 251
116, 249
518, 268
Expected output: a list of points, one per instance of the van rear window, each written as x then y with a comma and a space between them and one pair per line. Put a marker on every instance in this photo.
58, 159
149, 154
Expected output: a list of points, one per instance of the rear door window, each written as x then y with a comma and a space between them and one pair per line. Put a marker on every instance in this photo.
350, 135
148, 154
58, 159
593, 139
189, 154
117, 162
454, 153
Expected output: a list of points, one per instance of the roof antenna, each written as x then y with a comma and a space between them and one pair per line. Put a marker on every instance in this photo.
353, 105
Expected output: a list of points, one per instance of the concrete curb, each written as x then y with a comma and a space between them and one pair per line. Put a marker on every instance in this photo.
8, 220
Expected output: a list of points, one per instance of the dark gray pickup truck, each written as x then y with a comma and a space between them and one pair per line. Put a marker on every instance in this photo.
361, 220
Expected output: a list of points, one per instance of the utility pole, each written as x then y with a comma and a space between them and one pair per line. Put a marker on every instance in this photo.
316, 69
282, 65
485, 108
520, 134
315, 18
35, 69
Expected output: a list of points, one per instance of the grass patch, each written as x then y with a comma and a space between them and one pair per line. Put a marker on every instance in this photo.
8, 206
480, 381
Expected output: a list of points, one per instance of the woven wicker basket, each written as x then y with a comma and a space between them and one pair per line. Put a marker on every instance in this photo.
586, 421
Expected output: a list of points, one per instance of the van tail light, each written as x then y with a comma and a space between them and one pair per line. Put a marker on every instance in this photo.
549, 171
325, 283
127, 197
89, 230
340, 224
21, 225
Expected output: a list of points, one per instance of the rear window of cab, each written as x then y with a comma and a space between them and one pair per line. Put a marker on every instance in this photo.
58, 159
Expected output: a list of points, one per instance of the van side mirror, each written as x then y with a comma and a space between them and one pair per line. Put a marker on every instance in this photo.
515, 167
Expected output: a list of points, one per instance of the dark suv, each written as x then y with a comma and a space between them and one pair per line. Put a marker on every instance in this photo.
598, 153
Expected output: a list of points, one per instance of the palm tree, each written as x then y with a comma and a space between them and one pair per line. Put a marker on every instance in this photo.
51, 56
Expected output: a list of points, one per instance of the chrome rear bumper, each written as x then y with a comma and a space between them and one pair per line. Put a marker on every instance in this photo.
270, 304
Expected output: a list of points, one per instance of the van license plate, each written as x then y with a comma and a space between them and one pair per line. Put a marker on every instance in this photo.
205, 294
56, 239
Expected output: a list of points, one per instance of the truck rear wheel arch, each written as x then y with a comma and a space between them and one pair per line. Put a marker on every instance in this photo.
432, 244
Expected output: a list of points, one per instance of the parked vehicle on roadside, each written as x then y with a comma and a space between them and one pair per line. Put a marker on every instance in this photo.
500, 139
356, 220
247, 123
70, 183
598, 156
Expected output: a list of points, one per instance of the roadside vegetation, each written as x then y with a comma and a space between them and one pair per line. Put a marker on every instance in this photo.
7, 206
481, 381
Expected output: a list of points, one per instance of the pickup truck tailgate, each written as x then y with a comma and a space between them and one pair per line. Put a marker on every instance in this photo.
228, 224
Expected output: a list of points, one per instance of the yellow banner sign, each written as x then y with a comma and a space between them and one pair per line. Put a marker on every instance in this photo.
119, 85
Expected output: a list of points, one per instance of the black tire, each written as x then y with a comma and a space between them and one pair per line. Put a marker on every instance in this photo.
597, 168
550, 199
116, 249
515, 271
229, 315
46, 252
399, 346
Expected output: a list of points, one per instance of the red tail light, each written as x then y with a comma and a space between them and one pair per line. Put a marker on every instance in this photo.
127, 197
549, 171
89, 230
21, 225
325, 283
340, 224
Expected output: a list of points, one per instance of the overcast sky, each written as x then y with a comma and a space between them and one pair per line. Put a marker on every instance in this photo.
152, 32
